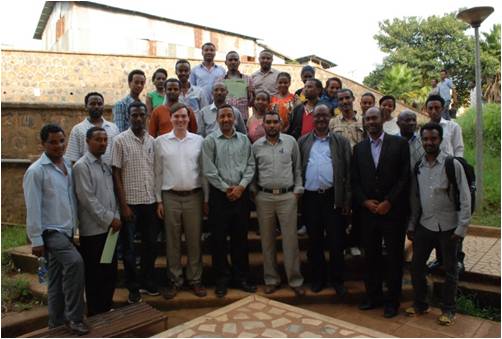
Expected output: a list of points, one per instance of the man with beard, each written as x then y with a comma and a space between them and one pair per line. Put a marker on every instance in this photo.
265, 78
190, 95
380, 182
435, 219
160, 121
206, 74
279, 185
327, 199
348, 124
77, 145
302, 121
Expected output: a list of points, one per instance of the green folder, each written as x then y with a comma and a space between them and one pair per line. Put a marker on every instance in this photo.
237, 88
109, 249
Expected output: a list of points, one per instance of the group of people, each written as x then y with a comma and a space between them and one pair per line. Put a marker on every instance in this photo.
194, 150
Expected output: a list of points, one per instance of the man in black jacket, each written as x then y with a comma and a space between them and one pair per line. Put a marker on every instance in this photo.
380, 179
302, 119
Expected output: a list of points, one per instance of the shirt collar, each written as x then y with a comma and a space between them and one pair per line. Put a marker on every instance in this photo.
440, 159
131, 134
44, 160
380, 138
325, 138
354, 117
219, 134
171, 135
238, 73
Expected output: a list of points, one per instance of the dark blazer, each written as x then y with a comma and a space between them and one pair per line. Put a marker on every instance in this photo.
341, 156
389, 181
295, 124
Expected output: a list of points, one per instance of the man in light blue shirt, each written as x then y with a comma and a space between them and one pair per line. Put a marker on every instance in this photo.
445, 86
205, 74
50, 222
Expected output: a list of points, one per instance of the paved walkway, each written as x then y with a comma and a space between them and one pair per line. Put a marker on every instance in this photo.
257, 316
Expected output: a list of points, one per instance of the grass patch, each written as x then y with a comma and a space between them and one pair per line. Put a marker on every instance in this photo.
489, 213
13, 236
467, 304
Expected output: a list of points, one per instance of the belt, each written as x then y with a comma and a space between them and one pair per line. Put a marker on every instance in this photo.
321, 191
185, 193
277, 191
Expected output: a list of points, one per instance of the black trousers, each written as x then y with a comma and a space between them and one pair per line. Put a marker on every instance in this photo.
354, 237
326, 228
376, 228
100, 279
229, 218
146, 222
423, 244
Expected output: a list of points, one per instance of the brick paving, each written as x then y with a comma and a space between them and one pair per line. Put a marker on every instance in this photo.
257, 316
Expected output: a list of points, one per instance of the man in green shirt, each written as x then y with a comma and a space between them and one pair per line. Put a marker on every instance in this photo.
229, 166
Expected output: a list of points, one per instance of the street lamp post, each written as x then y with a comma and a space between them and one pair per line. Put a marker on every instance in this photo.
474, 17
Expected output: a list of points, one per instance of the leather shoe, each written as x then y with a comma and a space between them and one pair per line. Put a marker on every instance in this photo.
390, 311
269, 289
246, 287
220, 291
77, 327
199, 290
299, 291
341, 290
317, 287
369, 305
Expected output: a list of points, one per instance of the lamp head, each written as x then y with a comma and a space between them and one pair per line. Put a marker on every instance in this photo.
475, 16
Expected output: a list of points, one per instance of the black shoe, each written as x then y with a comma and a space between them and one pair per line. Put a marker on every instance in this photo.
246, 287
369, 305
150, 290
299, 291
221, 291
170, 292
77, 327
390, 311
341, 290
134, 297
433, 265
316, 287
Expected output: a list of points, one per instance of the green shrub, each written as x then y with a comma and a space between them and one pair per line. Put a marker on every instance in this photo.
491, 128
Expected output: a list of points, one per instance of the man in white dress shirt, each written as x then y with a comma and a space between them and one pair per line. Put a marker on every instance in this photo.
178, 183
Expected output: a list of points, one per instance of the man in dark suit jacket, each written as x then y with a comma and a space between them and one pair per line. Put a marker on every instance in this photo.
302, 119
326, 199
380, 179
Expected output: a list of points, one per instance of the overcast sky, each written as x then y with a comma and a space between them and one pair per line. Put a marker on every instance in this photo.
340, 31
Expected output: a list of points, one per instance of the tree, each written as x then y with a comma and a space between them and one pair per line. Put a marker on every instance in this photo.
490, 64
400, 81
426, 46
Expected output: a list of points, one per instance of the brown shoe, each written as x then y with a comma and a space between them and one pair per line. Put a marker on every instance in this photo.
269, 289
199, 290
299, 291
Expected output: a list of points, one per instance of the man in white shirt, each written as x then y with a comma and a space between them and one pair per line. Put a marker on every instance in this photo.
77, 145
178, 190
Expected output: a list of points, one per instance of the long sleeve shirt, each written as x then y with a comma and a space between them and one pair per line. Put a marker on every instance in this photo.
207, 123
227, 161
278, 166
50, 200
97, 204
453, 143
432, 203
120, 116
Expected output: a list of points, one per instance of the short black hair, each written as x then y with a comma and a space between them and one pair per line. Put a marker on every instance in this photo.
266, 51
133, 73
208, 44
443, 70
90, 131
317, 82
49, 128
158, 70
224, 106
263, 92
334, 79
432, 126
369, 94
135, 104
272, 113
307, 68
226, 56
435, 97
341, 90
386, 97
283, 74
90, 94
182, 61
172, 80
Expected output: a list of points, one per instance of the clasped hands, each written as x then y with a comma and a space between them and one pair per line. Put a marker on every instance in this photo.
376, 207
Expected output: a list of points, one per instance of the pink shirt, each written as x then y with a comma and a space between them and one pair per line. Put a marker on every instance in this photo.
255, 128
